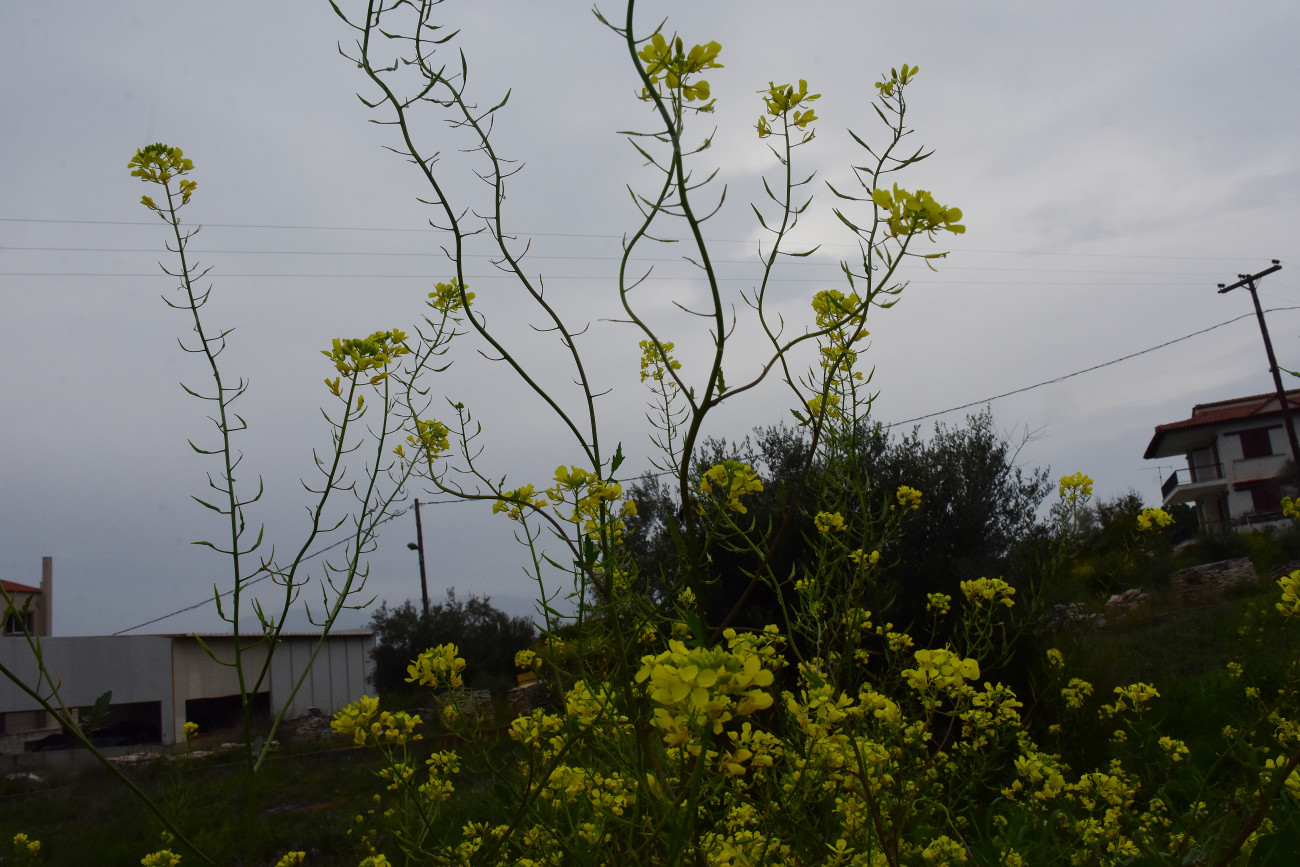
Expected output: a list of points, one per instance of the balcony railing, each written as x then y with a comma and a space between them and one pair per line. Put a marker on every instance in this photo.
1191, 475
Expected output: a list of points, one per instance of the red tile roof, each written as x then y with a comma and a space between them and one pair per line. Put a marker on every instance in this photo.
1221, 411
14, 587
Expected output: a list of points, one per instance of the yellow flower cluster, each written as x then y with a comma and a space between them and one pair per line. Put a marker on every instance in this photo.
357, 355
940, 670
656, 359
832, 404
834, 308
826, 522
1135, 696
888, 84
701, 687
1290, 508
1076, 487
1292, 782
190, 729
782, 100
859, 555
26, 845
908, 498
671, 65
161, 858
450, 297
994, 591
514, 502
431, 436
1076, 692
939, 603
1174, 748
1153, 520
1290, 604
909, 213
437, 668
732, 480
363, 720
158, 164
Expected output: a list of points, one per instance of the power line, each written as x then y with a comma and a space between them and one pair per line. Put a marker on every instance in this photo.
577, 258
211, 599
1085, 370
586, 235
722, 279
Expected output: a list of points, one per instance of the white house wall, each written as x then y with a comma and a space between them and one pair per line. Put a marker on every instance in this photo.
172, 670
1236, 468
137, 668
337, 678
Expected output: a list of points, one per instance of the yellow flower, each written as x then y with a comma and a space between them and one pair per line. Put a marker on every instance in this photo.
908, 498
656, 360
733, 481
1174, 748
437, 667
911, 213
158, 163
191, 729
1075, 693
939, 603
1153, 520
1290, 604
1055, 660
825, 522
450, 297
668, 63
161, 858
376, 352
941, 669
430, 435
1075, 487
993, 590
703, 687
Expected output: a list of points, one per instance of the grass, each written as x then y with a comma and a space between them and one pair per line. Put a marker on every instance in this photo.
306, 801
302, 801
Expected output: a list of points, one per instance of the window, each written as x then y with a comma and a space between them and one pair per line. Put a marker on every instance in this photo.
18, 622
1255, 443
1265, 499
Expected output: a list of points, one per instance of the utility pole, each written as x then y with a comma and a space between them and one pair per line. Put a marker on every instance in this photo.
1248, 280
418, 545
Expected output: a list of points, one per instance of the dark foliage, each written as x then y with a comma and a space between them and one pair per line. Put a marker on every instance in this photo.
978, 507
487, 637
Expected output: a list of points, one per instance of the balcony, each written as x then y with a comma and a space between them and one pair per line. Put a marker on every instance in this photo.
1192, 483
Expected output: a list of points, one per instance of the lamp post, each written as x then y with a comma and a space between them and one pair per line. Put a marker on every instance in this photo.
418, 545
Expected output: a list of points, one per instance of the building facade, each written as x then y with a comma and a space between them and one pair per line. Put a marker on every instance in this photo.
1239, 462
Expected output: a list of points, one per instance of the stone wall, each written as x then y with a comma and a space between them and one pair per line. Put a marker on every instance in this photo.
1208, 582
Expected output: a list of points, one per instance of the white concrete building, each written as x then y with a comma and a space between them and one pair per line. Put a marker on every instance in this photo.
1237, 457
159, 682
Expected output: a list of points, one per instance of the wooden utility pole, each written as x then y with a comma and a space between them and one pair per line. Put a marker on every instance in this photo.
418, 545
1248, 280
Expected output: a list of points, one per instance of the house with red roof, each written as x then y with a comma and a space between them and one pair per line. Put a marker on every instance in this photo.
1239, 465
26, 608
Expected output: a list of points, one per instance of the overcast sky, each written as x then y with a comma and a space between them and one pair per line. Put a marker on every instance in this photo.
1115, 161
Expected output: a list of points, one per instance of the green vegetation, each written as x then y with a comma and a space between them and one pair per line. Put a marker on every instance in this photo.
489, 635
